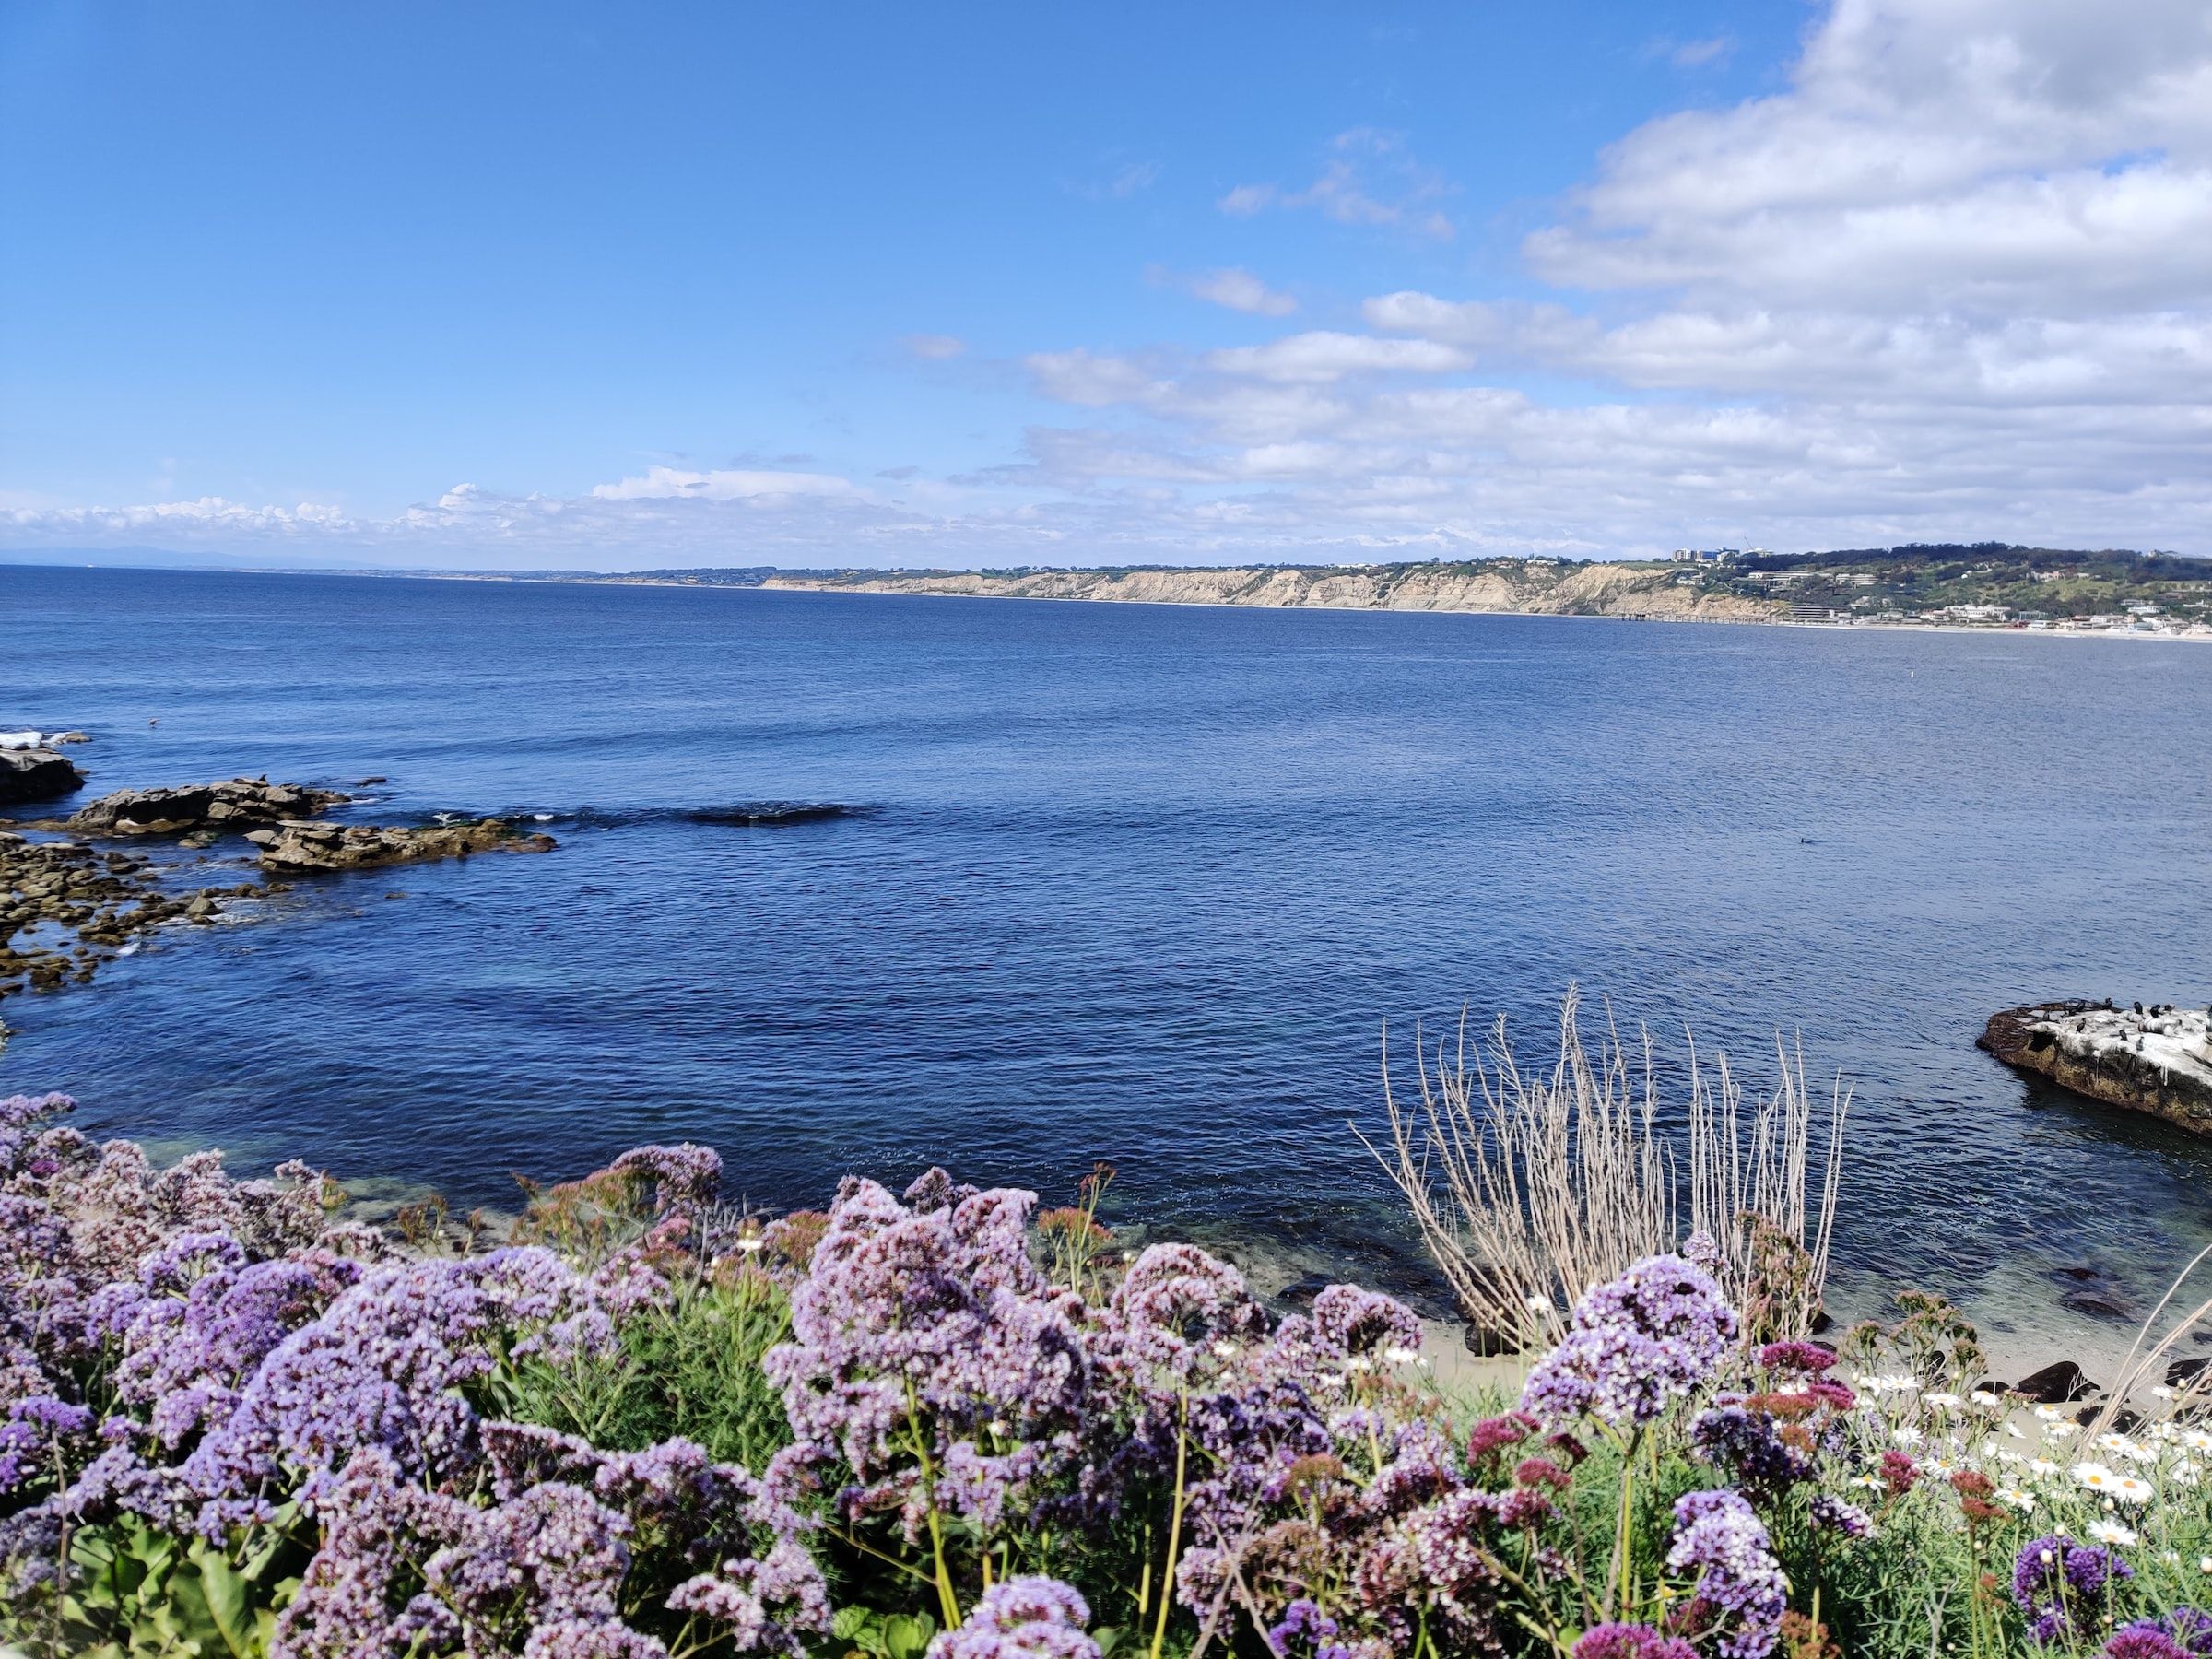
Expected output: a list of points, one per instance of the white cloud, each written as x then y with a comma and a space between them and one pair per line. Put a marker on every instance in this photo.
1239, 289
934, 347
1370, 178
1320, 355
666, 483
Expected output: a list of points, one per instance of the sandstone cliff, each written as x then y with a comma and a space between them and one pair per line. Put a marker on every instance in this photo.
1532, 588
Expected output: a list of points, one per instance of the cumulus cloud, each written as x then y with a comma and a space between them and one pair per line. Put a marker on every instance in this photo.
1239, 290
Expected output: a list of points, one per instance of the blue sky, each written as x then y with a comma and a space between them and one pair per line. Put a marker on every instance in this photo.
603, 285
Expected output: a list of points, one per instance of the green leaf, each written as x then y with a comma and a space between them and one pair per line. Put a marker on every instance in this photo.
906, 1634
225, 1590
848, 1623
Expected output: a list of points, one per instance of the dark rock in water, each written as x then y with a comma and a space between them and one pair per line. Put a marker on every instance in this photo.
236, 803
36, 774
2182, 1372
300, 845
366, 782
2055, 1384
2158, 1062
771, 812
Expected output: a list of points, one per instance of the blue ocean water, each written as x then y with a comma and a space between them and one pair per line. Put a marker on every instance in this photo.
1139, 883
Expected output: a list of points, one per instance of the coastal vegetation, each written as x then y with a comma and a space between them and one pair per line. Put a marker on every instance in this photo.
638, 1420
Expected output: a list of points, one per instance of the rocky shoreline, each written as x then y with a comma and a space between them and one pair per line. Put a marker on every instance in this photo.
66, 906
2156, 1060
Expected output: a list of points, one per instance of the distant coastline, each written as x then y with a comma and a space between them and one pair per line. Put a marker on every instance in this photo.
1983, 588
1988, 588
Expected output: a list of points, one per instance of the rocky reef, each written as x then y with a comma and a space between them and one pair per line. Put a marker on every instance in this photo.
300, 844
66, 908
235, 804
2157, 1060
36, 774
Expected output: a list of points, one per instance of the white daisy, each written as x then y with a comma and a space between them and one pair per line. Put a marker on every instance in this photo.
1904, 1434
1399, 1355
2018, 1499
2043, 1466
2050, 1414
2112, 1532
2061, 1430
2095, 1477
1942, 1402
2197, 1440
2129, 1488
1982, 1397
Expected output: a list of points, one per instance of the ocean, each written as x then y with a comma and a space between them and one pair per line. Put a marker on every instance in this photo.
1145, 884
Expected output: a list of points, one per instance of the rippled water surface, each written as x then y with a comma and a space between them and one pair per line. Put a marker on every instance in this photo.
1141, 883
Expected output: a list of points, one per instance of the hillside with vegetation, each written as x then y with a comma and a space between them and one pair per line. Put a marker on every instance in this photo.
1990, 584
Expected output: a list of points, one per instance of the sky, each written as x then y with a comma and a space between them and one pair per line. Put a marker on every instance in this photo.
626, 287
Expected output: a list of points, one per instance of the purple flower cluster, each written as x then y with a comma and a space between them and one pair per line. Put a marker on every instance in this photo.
2062, 1586
1740, 1586
1634, 1345
1746, 1444
1835, 1514
2185, 1633
1021, 1618
576, 1562
1630, 1642
930, 1362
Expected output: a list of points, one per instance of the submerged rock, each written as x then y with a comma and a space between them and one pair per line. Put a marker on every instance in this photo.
300, 845
36, 774
235, 804
2157, 1060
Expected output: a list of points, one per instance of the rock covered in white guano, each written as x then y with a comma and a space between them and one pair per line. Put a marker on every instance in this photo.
2155, 1059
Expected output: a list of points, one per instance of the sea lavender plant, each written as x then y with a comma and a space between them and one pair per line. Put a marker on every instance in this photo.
1749, 1447
1630, 1641
1740, 1588
1634, 1345
2185, 1633
2062, 1586
1032, 1617
932, 1371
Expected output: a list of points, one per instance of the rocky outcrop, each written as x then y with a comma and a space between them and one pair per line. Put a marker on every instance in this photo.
237, 803
36, 774
300, 845
2157, 1060
81, 908
1535, 587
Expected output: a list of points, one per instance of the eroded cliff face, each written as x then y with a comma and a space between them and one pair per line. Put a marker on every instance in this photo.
1531, 589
